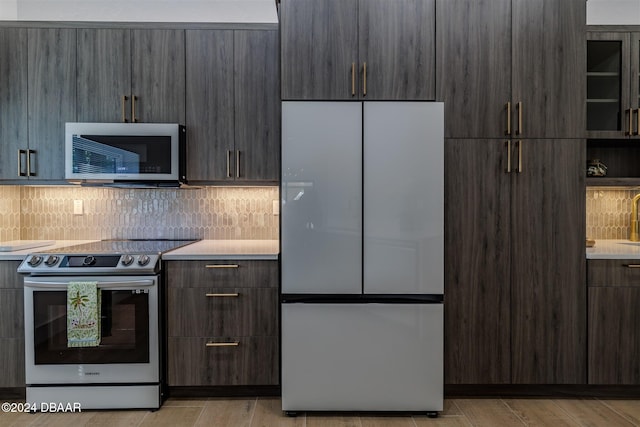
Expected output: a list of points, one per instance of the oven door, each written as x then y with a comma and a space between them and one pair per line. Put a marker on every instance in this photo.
128, 349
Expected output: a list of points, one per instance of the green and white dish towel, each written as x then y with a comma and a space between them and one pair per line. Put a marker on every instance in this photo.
83, 314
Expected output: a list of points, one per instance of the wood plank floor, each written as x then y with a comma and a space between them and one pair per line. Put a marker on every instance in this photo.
265, 412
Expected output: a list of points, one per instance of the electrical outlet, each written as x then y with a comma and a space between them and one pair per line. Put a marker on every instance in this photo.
77, 207
276, 207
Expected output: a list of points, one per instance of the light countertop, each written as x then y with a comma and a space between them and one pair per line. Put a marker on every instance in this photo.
614, 249
226, 250
20, 255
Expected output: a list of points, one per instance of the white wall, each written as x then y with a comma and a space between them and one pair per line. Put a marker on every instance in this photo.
245, 11
613, 12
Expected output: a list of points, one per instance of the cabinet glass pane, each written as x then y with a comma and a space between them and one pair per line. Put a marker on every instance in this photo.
603, 85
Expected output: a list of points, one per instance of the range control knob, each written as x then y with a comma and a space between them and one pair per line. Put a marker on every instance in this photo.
52, 260
143, 260
127, 260
35, 261
90, 260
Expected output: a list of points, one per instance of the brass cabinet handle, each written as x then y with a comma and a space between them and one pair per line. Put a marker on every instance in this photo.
20, 153
134, 119
508, 108
238, 164
223, 344
353, 79
519, 170
364, 79
509, 156
632, 265
29, 153
221, 266
519, 108
228, 163
234, 295
630, 129
637, 122
125, 98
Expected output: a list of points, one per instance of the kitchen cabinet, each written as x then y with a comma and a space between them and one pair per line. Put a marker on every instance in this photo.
613, 316
515, 263
358, 49
233, 105
131, 75
512, 72
11, 326
51, 79
13, 99
223, 323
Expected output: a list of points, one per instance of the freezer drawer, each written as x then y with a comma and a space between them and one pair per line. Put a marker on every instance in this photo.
362, 357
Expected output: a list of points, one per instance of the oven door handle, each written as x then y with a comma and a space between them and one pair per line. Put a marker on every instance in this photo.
101, 285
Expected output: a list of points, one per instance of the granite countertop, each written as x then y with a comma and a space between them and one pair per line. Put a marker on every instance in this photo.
614, 249
20, 255
226, 250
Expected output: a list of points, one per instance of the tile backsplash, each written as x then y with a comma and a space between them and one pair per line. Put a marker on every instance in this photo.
609, 212
208, 212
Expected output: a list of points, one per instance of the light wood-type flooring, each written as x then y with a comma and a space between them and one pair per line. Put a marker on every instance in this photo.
265, 412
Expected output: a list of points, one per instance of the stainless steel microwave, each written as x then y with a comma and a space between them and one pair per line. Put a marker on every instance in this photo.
125, 152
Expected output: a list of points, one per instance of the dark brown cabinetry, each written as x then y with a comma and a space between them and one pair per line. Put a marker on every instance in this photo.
233, 105
11, 326
515, 264
512, 72
131, 75
223, 323
356, 49
614, 339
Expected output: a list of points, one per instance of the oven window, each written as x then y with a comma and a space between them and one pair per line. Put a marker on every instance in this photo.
124, 329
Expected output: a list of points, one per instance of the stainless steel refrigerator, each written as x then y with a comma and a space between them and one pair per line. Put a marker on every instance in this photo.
362, 253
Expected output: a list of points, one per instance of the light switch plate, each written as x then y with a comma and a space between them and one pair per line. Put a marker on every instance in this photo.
77, 207
276, 207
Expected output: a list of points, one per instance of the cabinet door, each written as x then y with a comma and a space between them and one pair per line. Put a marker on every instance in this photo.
158, 76
548, 298
257, 106
634, 82
397, 42
549, 54
104, 75
51, 98
477, 289
319, 49
210, 104
474, 66
614, 339
13, 99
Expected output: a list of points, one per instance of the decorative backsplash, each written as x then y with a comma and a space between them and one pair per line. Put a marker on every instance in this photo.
209, 213
9, 213
609, 212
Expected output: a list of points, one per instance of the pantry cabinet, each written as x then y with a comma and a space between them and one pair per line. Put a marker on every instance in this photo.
512, 72
230, 337
357, 49
233, 105
11, 326
515, 262
131, 75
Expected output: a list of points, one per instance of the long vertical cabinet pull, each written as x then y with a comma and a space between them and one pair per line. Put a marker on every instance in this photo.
364, 79
508, 156
29, 153
519, 169
228, 163
508, 108
353, 79
125, 98
637, 122
20, 153
238, 164
134, 119
519, 108
629, 113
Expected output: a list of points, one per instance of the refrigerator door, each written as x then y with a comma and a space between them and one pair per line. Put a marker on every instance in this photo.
403, 198
321, 190
362, 357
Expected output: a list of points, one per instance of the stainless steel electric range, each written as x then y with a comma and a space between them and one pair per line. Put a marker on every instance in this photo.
122, 368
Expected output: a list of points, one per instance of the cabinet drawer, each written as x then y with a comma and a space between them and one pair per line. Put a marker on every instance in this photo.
613, 272
9, 277
253, 361
237, 274
203, 312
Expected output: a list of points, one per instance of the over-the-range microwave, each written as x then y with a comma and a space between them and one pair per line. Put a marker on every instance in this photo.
149, 153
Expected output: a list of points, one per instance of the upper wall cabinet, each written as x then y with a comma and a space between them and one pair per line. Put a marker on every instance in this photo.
358, 49
233, 105
131, 75
512, 72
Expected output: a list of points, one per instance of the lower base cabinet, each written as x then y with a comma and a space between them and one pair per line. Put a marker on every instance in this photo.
223, 323
11, 326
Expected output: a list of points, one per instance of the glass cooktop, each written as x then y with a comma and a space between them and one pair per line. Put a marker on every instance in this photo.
122, 247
